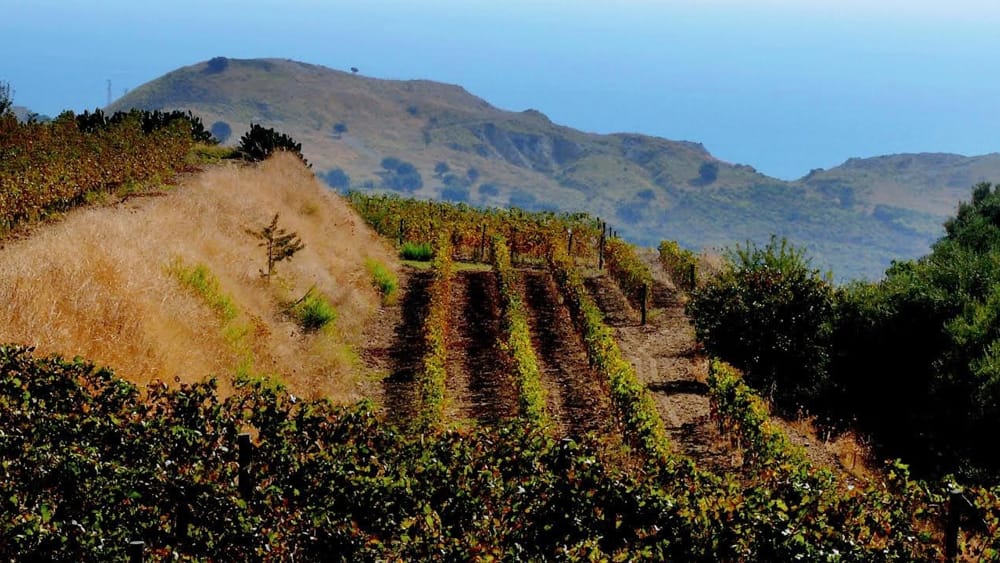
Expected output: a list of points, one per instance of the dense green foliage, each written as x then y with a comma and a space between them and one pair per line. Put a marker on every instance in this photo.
259, 143
680, 264
384, 280
433, 377
912, 361
417, 251
768, 314
50, 167
517, 343
313, 311
630, 273
928, 338
90, 463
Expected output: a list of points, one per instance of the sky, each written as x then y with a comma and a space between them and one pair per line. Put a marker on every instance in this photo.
785, 86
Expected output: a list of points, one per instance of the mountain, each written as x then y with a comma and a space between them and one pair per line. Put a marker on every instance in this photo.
435, 140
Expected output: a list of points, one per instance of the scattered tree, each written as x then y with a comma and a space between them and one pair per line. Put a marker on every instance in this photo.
354, 69
708, 172
6, 98
336, 178
221, 131
259, 143
339, 128
217, 65
280, 245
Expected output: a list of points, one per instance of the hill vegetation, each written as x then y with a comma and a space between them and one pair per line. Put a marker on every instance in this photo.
498, 400
441, 142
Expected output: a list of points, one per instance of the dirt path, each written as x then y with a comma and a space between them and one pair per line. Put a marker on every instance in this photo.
668, 360
578, 404
479, 385
394, 345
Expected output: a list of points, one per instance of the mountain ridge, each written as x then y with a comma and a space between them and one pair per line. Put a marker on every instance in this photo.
441, 141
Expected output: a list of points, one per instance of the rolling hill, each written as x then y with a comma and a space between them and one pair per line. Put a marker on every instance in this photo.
434, 140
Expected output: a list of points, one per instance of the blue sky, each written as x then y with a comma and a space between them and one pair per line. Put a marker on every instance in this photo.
782, 85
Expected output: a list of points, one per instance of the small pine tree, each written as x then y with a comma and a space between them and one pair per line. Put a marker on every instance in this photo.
280, 245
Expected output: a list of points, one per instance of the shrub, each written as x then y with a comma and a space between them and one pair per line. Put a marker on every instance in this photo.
383, 279
769, 315
455, 194
259, 143
421, 252
336, 178
221, 131
313, 311
680, 264
400, 175
216, 65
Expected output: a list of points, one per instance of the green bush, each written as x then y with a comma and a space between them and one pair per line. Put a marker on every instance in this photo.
383, 279
419, 251
259, 143
768, 313
313, 311
680, 263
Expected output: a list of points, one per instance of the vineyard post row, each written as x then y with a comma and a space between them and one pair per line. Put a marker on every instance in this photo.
632, 400
432, 378
528, 234
518, 337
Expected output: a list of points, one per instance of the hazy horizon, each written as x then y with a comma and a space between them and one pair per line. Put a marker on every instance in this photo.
779, 86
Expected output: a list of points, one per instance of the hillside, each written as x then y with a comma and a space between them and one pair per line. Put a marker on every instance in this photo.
442, 142
106, 283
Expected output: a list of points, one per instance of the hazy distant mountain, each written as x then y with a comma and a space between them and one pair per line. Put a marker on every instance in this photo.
436, 140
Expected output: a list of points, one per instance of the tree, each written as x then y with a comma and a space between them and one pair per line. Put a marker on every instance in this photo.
217, 65
708, 172
280, 245
6, 98
259, 143
340, 128
221, 131
768, 313
336, 178
354, 69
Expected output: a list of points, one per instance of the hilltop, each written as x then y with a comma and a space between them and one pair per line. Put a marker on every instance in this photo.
434, 140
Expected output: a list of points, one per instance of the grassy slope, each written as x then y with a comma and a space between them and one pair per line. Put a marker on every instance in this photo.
98, 283
648, 188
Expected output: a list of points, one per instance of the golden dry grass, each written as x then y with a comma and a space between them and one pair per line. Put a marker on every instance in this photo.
98, 283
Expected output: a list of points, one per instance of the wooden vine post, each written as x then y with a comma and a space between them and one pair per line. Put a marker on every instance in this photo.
245, 484
954, 517
600, 250
482, 244
136, 551
643, 297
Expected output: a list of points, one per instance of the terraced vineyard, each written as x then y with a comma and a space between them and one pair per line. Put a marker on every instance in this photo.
482, 370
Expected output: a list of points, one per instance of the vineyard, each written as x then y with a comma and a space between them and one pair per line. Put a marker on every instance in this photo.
538, 394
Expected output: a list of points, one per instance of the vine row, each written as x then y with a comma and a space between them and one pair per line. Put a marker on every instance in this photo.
518, 337
630, 273
631, 398
433, 377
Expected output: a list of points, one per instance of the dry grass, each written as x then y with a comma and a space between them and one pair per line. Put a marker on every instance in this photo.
98, 283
